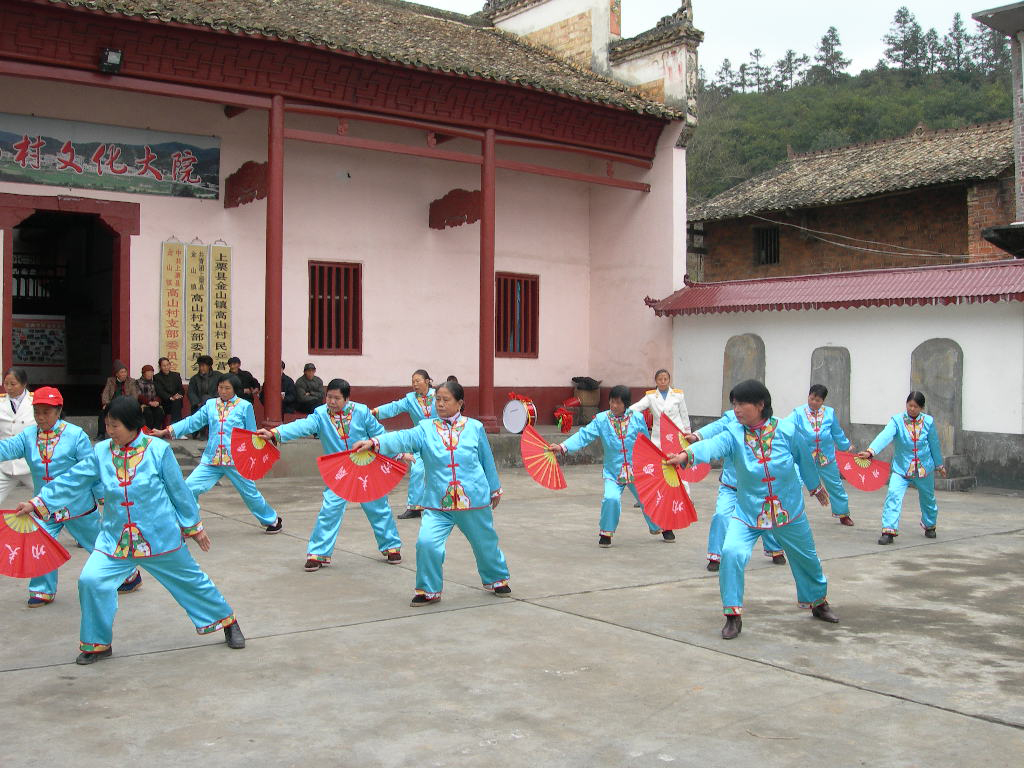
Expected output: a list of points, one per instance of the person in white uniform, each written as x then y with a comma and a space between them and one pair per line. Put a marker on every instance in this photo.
15, 414
664, 398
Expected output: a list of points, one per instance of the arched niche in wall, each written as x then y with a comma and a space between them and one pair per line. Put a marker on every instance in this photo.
744, 359
937, 370
831, 366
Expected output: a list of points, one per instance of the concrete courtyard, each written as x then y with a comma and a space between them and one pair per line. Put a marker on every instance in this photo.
605, 657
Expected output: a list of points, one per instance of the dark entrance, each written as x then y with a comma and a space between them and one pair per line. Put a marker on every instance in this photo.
62, 281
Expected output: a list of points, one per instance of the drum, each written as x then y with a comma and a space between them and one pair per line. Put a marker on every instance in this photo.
519, 414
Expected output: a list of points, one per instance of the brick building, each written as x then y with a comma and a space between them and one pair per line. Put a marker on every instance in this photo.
922, 199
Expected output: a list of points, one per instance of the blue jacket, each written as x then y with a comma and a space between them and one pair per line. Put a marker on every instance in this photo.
222, 418
618, 436
457, 461
353, 424
768, 491
728, 477
822, 432
149, 508
65, 445
916, 449
417, 407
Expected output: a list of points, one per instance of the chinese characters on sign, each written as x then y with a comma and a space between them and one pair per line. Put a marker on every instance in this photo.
38, 340
172, 270
37, 150
197, 318
220, 313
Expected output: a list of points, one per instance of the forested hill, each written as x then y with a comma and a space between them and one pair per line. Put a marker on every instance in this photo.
749, 117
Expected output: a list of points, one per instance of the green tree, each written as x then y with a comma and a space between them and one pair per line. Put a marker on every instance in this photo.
725, 77
955, 51
829, 59
991, 51
789, 69
905, 45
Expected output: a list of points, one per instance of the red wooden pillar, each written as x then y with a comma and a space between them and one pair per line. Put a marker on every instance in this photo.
275, 261
121, 304
9, 219
487, 212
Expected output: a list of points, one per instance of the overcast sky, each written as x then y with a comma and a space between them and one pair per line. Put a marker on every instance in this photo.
733, 28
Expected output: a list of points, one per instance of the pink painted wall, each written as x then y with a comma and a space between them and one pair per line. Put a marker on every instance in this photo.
598, 251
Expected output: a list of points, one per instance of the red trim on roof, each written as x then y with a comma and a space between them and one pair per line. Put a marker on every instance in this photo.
987, 282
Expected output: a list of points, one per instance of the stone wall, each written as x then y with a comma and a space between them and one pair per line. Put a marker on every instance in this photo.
989, 204
569, 38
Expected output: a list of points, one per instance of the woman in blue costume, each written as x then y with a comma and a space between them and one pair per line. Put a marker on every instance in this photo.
339, 424
419, 404
917, 454
462, 489
765, 453
222, 414
149, 512
823, 433
725, 502
51, 447
617, 428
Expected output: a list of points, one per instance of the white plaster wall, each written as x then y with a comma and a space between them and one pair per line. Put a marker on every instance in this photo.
525, 21
638, 243
420, 286
668, 64
880, 341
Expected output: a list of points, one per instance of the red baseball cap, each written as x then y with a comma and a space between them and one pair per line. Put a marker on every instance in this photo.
47, 396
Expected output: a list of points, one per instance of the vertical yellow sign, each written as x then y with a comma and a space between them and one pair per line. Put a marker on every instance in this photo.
172, 314
197, 324
220, 317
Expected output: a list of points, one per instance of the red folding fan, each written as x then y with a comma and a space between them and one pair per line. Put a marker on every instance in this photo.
862, 474
660, 487
672, 441
253, 456
26, 550
362, 476
540, 460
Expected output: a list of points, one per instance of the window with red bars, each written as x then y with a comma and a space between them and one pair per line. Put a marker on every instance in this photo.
335, 308
516, 315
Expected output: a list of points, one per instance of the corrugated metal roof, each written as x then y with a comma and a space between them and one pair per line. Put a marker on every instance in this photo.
947, 284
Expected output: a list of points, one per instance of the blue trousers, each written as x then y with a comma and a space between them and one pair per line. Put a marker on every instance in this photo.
328, 523
894, 502
177, 571
725, 505
477, 525
203, 478
837, 498
85, 529
611, 507
417, 483
798, 544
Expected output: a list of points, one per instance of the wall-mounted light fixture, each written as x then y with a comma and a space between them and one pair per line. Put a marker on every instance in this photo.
110, 61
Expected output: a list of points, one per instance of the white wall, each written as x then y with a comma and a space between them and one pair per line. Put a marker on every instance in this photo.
524, 21
880, 341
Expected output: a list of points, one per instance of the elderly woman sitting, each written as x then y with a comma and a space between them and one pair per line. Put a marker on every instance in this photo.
152, 410
118, 385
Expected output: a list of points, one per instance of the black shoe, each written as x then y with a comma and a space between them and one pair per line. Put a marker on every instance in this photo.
779, 559
733, 627
420, 600
668, 536
131, 584
929, 533
503, 591
276, 527
824, 612
638, 505
92, 658
604, 541
885, 538
410, 513
233, 635
713, 566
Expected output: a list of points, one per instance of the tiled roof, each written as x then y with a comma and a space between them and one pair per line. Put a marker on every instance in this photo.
957, 284
670, 29
922, 159
404, 33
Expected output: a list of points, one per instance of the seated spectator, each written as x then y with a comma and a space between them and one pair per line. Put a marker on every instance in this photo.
202, 387
309, 390
120, 383
287, 393
250, 387
152, 411
169, 389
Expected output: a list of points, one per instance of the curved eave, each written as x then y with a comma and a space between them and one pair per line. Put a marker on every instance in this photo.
850, 304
